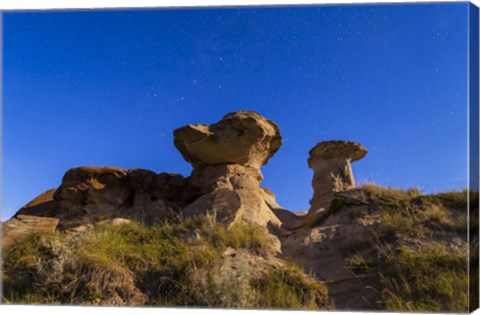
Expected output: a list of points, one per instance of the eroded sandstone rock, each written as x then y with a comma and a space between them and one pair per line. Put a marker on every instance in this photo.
21, 226
243, 137
224, 205
210, 178
226, 159
330, 161
42, 206
156, 197
225, 181
92, 194
93, 185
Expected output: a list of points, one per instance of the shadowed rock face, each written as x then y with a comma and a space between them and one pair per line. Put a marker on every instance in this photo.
43, 205
93, 185
90, 194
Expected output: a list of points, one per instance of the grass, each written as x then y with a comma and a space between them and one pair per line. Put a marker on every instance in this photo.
133, 264
359, 264
288, 288
378, 191
410, 254
408, 212
430, 279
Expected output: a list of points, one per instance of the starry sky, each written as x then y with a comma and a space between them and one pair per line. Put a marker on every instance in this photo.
109, 87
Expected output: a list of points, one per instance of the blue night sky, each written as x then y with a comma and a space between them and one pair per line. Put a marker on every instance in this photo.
109, 88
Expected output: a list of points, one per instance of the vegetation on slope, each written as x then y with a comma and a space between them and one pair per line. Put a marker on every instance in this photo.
416, 256
133, 264
413, 254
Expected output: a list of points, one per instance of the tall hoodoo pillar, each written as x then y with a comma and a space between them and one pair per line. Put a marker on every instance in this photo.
226, 159
332, 172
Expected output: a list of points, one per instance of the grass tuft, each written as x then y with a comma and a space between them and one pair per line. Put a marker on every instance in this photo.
416, 254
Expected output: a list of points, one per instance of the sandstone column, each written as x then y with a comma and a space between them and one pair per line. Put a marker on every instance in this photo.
226, 159
330, 161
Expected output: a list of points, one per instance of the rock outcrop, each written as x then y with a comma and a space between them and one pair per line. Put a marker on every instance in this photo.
42, 206
321, 248
226, 159
92, 194
21, 226
348, 240
157, 197
243, 137
93, 185
225, 182
330, 161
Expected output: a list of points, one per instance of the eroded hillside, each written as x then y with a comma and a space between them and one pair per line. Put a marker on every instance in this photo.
109, 236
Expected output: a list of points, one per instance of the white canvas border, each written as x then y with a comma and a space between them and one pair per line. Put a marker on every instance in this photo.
7, 5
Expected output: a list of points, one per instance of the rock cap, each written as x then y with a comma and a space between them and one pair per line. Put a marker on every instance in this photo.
241, 137
337, 149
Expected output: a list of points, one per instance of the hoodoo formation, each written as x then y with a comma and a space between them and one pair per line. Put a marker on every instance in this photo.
330, 161
231, 229
243, 138
226, 159
226, 156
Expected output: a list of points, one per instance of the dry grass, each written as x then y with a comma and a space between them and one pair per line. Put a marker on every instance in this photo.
430, 279
134, 264
382, 191
412, 254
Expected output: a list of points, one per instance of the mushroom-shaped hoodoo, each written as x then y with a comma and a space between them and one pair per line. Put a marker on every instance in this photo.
330, 161
226, 157
243, 137
337, 149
